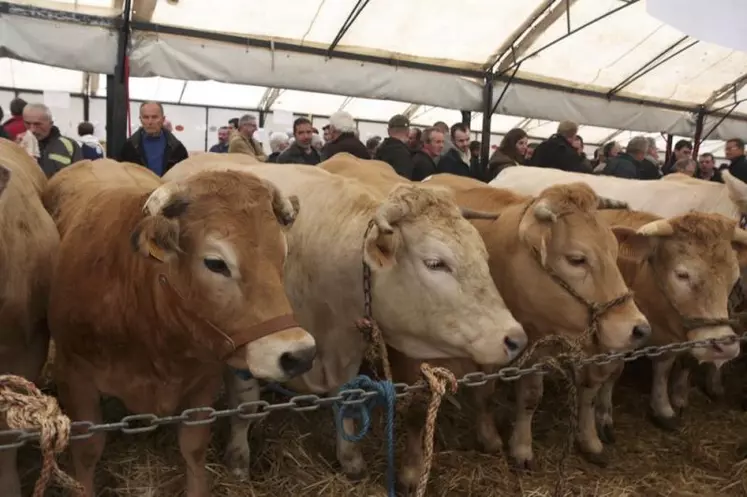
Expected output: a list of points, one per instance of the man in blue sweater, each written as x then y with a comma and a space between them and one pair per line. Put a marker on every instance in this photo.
152, 145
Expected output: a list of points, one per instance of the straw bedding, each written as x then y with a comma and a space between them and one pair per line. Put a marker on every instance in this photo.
294, 454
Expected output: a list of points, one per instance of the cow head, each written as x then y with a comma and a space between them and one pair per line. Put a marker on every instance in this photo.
687, 267
564, 236
220, 239
432, 288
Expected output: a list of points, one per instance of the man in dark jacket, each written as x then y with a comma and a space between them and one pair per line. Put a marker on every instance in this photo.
558, 151
707, 169
458, 160
424, 158
301, 151
152, 146
631, 164
342, 132
394, 150
57, 151
738, 162
683, 149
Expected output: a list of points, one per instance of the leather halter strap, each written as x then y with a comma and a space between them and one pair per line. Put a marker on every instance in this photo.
229, 344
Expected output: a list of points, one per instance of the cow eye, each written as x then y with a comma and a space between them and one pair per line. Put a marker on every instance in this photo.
681, 274
217, 266
436, 265
576, 259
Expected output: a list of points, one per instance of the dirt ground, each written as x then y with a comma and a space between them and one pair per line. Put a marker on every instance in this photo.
293, 453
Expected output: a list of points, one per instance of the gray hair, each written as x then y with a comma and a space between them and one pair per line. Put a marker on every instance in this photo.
41, 108
278, 139
343, 122
247, 118
637, 145
651, 142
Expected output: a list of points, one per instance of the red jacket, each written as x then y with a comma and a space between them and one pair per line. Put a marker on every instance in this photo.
14, 126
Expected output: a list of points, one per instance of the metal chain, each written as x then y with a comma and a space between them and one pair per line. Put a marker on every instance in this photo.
260, 409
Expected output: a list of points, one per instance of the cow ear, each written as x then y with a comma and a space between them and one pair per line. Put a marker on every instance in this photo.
633, 245
381, 247
156, 237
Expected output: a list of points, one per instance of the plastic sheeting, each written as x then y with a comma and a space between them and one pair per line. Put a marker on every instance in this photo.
596, 59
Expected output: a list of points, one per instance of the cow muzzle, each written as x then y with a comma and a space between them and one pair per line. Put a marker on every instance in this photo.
717, 353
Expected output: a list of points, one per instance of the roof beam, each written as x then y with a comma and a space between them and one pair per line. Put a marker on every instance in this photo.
411, 110
506, 65
611, 136
357, 9
268, 99
725, 90
535, 32
345, 103
664, 56
517, 33
142, 10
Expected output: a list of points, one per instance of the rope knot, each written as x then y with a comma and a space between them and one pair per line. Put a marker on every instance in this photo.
27, 408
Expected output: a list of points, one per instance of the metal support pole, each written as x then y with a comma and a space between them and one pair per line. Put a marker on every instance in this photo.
116, 91
487, 115
698, 130
728, 113
86, 107
670, 145
466, 117
262, 118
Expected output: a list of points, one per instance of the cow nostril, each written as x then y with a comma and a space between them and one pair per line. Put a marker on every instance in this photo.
296, 363
641, 331
718, 348
511, 344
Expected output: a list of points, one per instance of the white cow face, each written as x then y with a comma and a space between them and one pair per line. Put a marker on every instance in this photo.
433, 293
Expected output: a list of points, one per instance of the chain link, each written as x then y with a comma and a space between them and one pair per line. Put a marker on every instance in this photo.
259, 409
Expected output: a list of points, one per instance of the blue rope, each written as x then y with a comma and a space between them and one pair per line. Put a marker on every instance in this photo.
362, 412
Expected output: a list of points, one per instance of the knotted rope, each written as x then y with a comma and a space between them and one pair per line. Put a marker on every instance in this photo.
25, 407
438, 380
362, 412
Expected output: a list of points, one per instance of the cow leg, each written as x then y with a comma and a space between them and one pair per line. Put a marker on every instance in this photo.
81, 399
194, 442
588, 440
237, 453
487, 433
415, 431
605, 422
680, 387
528, 396
662, 412
10, 484
714, 386
349, 453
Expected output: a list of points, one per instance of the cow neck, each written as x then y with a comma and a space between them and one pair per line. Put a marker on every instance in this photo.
595, 309
688, 323
226, 344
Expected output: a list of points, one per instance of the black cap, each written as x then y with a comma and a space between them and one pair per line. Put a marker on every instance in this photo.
399, 121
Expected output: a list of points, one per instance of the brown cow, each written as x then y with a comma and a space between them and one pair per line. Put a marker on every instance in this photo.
430, 285
162, 286
27, 254
560, 225
687, 267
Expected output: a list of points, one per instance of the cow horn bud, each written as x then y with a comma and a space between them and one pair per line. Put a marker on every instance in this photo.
543, 212
160, 197
739, 236
660, 227
468, 213
610, 203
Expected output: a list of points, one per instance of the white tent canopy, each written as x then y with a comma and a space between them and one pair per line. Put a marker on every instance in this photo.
607, 75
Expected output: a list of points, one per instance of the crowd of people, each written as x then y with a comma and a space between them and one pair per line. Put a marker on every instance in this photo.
412, 152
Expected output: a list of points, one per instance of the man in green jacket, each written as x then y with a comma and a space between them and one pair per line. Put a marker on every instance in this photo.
57, 151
